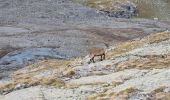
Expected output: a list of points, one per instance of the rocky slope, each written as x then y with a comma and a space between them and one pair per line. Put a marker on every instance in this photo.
133, 70
42, 41
35, 30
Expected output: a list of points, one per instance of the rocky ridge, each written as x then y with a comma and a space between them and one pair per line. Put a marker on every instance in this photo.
33, 31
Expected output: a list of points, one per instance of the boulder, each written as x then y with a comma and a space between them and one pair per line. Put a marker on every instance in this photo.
122, 10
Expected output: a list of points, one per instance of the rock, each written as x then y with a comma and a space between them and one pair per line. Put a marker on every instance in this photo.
20, 86
167, 90
22, 57
123, 10
69, 73
117, 77
49, 93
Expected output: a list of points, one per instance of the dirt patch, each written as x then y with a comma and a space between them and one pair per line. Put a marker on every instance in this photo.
4, 51
118, 34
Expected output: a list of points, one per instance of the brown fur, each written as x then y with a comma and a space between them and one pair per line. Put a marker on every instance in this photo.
96, 52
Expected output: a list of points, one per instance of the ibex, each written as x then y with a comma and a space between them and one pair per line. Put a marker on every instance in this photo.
96, 51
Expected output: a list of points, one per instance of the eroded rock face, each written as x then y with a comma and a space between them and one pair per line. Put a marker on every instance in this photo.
20, 58
122, 10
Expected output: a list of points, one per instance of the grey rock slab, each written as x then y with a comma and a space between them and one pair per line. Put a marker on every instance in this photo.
148, 82
47, 93
29, 55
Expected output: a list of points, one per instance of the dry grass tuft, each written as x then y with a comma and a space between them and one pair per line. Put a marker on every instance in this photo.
110, 95
44, 73
52, 81
101, 4
162, 96
69, 72
108, 66
100, 96
124, 94
99, 73
92, 97
148, 62
7, 87
131, 45
128, 90
156, 38
115, 83
160, 89
123, 48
